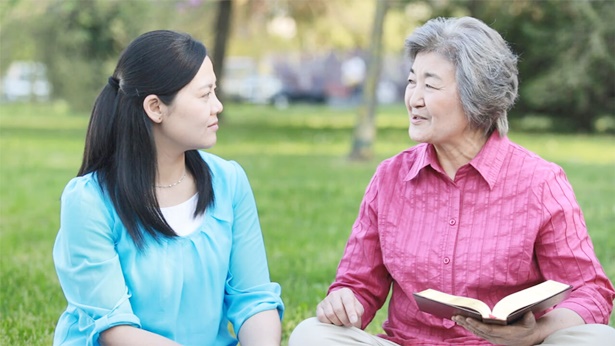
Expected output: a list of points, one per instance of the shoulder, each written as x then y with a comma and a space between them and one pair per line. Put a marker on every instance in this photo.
85, 206
228, 177
530, 162
84, 189
220, 166
524, 170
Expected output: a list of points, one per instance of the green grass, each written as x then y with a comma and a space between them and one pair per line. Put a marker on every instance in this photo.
307, 193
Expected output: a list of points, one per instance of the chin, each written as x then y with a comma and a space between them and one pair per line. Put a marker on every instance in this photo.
417, 137
209, 142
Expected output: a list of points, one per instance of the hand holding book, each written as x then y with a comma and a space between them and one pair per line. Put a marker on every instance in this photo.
509, 309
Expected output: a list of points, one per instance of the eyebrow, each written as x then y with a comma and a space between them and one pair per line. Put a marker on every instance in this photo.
210, 85
428, 74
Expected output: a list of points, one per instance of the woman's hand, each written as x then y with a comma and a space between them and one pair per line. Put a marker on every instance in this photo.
528, 331
524, 332
341, 308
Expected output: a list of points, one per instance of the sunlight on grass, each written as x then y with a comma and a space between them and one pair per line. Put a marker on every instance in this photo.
561, 149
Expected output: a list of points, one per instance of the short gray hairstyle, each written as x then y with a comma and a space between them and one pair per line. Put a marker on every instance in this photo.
486, 67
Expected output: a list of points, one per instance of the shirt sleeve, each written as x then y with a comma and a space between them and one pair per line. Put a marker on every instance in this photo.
565, 252
88, 266
362, 268
248, 289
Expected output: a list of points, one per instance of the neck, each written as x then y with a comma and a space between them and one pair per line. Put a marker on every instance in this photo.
453, 156
170, 170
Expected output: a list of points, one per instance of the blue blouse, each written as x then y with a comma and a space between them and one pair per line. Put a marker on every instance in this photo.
187, 289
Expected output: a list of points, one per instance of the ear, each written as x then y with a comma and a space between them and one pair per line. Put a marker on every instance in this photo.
154, 108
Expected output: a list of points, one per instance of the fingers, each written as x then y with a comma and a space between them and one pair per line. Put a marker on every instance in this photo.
341, 308
475, 327
353, 308
521, 332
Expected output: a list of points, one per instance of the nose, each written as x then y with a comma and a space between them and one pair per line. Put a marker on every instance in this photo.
216, 107
414, 97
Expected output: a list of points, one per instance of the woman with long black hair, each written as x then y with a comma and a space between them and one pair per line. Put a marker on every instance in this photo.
160, 243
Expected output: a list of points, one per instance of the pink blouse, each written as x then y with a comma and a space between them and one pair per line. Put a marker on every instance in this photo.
509, 220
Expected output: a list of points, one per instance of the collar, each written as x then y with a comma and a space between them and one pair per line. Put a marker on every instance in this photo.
426, 156
487, 162
491, 157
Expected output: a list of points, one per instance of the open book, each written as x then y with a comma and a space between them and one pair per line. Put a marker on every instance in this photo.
508, 310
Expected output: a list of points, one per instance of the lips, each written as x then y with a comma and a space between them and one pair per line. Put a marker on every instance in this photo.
416, 119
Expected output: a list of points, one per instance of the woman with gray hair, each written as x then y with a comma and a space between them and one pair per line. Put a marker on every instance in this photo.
466, 212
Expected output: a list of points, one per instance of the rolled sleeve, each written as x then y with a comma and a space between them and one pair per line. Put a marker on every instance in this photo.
243, 304
78, 327
88, 267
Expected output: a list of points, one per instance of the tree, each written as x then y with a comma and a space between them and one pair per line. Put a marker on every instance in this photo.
566, 64
365, 130
80, 42
222, 30
577, 83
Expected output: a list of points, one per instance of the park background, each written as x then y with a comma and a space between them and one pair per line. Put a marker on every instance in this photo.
308, 158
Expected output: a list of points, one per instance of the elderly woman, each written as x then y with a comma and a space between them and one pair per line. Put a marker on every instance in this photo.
466, 212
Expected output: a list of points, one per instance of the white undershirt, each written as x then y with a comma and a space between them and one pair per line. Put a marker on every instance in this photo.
181, 217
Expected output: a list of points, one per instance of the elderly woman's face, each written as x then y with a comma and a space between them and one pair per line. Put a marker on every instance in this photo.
432, 99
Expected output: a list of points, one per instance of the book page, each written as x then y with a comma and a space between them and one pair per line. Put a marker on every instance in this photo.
526, 297
450, 299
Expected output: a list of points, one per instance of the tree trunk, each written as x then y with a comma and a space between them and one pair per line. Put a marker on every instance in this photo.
222, 28
365, 130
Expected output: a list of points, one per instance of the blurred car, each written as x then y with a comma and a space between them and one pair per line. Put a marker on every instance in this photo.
268, 90
26, 81
254, 89
286, 96
244, 80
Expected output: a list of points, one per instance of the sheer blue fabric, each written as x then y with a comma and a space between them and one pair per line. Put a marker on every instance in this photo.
187, 289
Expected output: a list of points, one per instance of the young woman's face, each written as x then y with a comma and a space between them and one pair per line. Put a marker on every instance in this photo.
432, 99
191, 121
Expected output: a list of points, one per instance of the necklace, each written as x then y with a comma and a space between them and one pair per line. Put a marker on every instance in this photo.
171, 185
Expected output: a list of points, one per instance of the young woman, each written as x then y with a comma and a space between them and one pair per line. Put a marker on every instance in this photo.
160, 243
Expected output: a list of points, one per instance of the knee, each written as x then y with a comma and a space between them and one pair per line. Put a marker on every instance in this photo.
585, 334
307, 332
604, 332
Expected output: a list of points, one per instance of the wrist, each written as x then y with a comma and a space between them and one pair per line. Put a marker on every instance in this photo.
554, 320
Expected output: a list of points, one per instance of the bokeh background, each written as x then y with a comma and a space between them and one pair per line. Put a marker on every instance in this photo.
301, 48
313, 95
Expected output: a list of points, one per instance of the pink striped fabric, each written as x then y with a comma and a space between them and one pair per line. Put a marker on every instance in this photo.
509, 220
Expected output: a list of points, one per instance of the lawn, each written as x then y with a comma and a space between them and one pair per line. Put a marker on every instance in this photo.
307, 193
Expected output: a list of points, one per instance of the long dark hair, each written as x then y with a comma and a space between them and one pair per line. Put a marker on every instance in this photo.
119, 145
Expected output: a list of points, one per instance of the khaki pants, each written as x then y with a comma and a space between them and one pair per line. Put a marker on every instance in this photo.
313, 333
